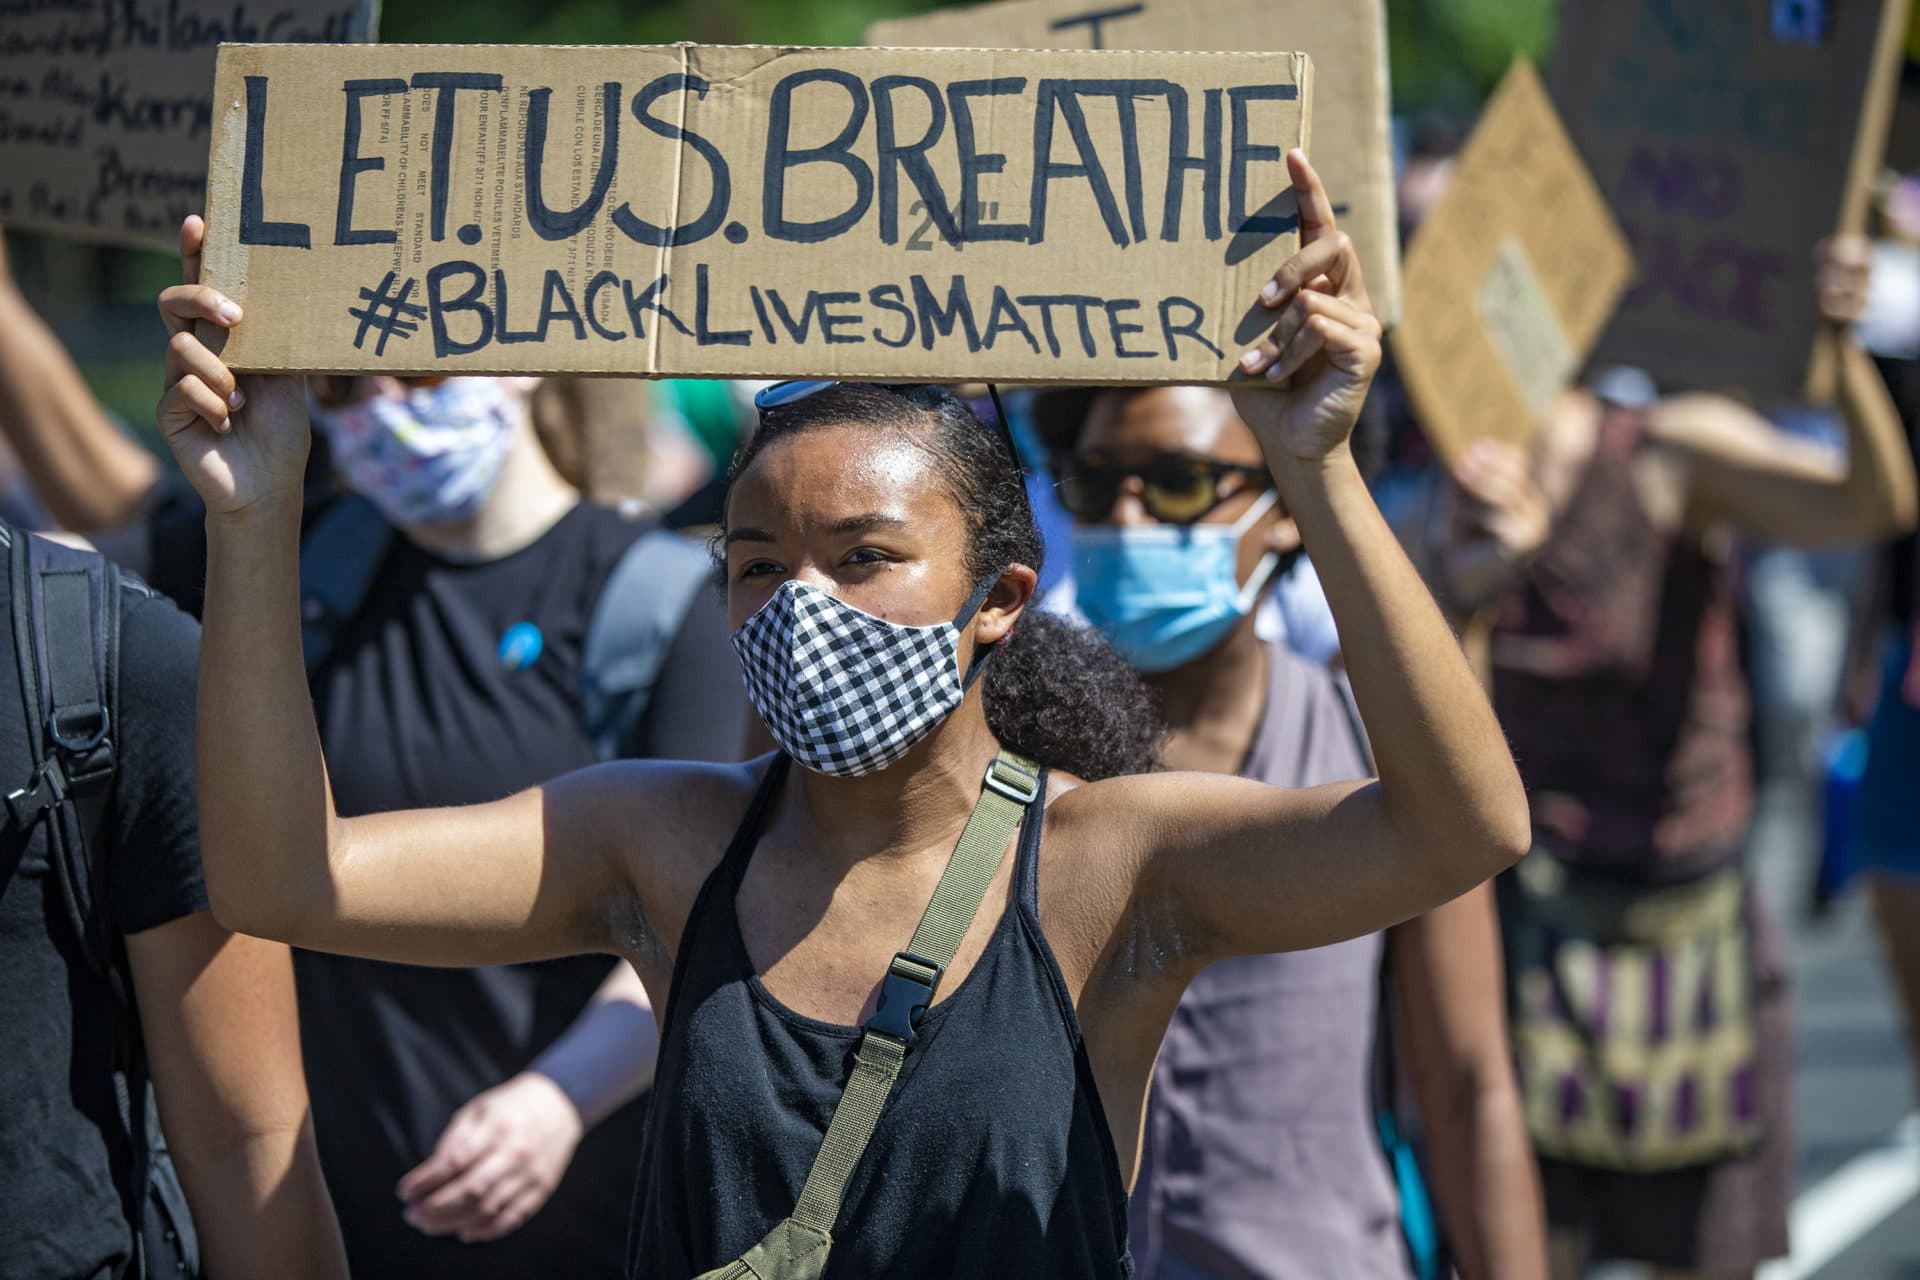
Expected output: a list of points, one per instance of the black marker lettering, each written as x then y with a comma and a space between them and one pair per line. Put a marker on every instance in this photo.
1092, 21
601, 280
1245, 153
438, 308
1180, 160
556, 303
446, 86
889, 297
710, 219
503, 332
1063, 96
780, 157
254, 227
1120, 329
703, 335
545, 223
974, 163
831, 320
1004, 317
936, 321
353, 164
1191, 329
893, 156
648, 299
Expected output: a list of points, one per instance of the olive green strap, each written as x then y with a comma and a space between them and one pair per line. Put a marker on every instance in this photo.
797, 1249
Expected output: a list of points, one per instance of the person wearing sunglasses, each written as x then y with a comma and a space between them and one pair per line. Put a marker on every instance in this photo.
841, 1091
1262, 1155
466, 635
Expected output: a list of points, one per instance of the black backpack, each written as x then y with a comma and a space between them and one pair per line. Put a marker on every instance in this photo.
66, 639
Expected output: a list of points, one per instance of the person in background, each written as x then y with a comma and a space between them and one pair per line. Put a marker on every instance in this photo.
215, 1023
1887, 830
1650, 1004
472, 1122
1261, 1156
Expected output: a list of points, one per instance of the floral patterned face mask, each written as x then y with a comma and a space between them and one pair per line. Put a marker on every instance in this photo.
429, 457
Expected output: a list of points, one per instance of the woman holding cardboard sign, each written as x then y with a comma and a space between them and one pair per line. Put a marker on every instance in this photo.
880, 556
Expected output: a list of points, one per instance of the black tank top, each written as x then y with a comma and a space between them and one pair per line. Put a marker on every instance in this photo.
992, 1159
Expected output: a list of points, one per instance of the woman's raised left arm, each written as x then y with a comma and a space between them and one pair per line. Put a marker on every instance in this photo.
1246, 868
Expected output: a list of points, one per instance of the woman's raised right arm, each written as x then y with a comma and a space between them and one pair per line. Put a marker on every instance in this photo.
536, 875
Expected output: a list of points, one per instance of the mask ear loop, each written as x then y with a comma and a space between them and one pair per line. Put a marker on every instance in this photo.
1264, 572
961, 619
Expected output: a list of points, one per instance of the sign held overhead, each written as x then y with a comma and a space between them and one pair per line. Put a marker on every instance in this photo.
1730, 137
1347, 40
725, 211
106, 106
1510, 279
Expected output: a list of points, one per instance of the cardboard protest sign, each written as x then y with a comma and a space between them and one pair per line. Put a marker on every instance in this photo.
1730, 137
1510, 279
1347, 40
723, 211
106, 106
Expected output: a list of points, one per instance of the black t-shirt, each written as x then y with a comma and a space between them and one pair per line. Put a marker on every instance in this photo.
61, 1141
418, 708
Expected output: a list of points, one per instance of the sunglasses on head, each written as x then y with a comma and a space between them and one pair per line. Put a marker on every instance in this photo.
334, 391
778, 395
1174, 488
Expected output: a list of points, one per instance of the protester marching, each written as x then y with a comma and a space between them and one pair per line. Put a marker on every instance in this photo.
1202, 641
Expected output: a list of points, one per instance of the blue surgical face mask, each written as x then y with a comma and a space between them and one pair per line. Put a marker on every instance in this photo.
1166, 594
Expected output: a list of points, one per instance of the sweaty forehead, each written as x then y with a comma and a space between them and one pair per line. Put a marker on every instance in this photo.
1192, 420
826, 475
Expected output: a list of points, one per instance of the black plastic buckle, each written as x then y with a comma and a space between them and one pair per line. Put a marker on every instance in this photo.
47, 788
904, 998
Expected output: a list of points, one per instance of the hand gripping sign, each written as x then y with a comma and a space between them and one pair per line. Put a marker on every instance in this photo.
717, 210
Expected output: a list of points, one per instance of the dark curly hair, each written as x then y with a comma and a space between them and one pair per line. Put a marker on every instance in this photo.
1054, 691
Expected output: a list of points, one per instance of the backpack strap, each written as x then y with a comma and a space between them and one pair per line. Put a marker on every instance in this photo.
798, 1247
340, 554
66, 610
640, 611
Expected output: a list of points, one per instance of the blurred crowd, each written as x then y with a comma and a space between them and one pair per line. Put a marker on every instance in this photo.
1695, 619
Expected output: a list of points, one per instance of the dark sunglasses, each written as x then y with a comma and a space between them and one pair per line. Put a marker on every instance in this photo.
334, 391
1174, 488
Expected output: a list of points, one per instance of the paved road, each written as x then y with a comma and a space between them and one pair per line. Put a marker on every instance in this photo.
1854, 1088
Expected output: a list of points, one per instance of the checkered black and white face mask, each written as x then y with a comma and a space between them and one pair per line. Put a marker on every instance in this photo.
843, 692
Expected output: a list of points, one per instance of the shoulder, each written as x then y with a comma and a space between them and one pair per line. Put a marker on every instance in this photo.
159, 645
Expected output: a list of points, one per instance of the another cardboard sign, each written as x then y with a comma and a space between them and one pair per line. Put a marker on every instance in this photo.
726, 211
1347, 40
1510, 279
106, 106
1730, 137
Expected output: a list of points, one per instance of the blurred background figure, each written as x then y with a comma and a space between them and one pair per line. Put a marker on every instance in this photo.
1263, 1154
473, 627
1615, 671
1887, 822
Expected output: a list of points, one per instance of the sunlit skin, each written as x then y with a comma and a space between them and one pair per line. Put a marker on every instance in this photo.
1143, 880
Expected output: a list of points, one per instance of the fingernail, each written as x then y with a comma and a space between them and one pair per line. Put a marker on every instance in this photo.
1270, 292
237, 400
1274, 374
230, 311
226, 425
1250, 359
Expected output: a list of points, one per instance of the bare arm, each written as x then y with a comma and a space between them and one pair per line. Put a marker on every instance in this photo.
217, 1010
1247, 868
504, 1153
537, 875
90, 474
1451, 1020
1744, 471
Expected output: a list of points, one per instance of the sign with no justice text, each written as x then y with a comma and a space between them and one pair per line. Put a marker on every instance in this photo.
106, 106
730, 211
1730, 137
1347, 40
